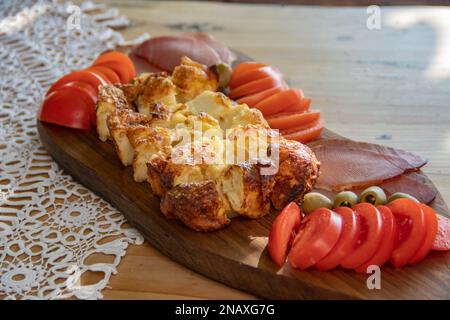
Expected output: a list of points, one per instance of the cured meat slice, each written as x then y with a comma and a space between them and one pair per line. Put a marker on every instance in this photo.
413, 184
142, 65
347, 164
224, 53
165, 52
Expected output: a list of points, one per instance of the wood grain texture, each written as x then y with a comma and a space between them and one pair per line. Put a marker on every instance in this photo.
377, 86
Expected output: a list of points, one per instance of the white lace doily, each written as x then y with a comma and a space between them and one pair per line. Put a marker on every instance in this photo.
49, 224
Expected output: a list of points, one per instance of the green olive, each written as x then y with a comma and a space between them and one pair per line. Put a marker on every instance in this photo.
374, 195
223, 72
345, 199
315, 200
400, 195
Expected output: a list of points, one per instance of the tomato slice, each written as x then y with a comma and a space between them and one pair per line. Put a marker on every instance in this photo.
303, 127
86, 92
318, 234
282, 232
431, 226
279, 101
301, 106
120, 69
388, 242
255, 86
287, 120
411, 230
106, 72
254, 74
442, 240
66, 108
253, 99
118, 59
85, 89
304, 135
89, 77
370, 236
244, 67
347, 241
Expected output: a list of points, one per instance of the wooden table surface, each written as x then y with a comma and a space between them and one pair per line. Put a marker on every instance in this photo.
388, 86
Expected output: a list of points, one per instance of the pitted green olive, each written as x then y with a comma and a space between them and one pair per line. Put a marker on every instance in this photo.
400, 195
345, 199
315, 200
223, 72
373, 195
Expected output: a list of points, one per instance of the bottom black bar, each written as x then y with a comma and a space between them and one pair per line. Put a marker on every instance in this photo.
214, 309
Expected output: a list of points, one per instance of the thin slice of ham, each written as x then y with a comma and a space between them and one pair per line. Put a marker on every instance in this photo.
165, 52
346, 164
224, 53
413, 184
142, 65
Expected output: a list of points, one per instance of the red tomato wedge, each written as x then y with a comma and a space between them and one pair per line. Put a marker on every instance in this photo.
254, 74
411, 230
282, 232
118, 59
106, 72
255, 86
388, 242
303, 127
431, 225
253, 99
303, 134
86, 92
347, 241
66, 108
89, 77
370, 236
120, 69
318, 234
245, 67
289, 120
442, 240
302, 106
279, 101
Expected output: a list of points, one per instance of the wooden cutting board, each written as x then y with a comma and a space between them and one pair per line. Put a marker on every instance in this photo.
235, 255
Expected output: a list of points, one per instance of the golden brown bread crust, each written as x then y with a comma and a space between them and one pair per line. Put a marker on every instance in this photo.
159, 178
205, 190
198, 205
243, 187
192, 78
147, 142
246, 190
130, 91
119, 122
297, 173
110, 98
113, 95
155, 90
169, 169
225, 111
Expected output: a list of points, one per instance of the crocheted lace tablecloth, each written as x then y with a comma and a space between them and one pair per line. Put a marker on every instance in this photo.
50, 225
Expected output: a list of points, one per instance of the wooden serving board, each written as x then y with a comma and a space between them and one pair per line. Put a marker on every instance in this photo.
235, 255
